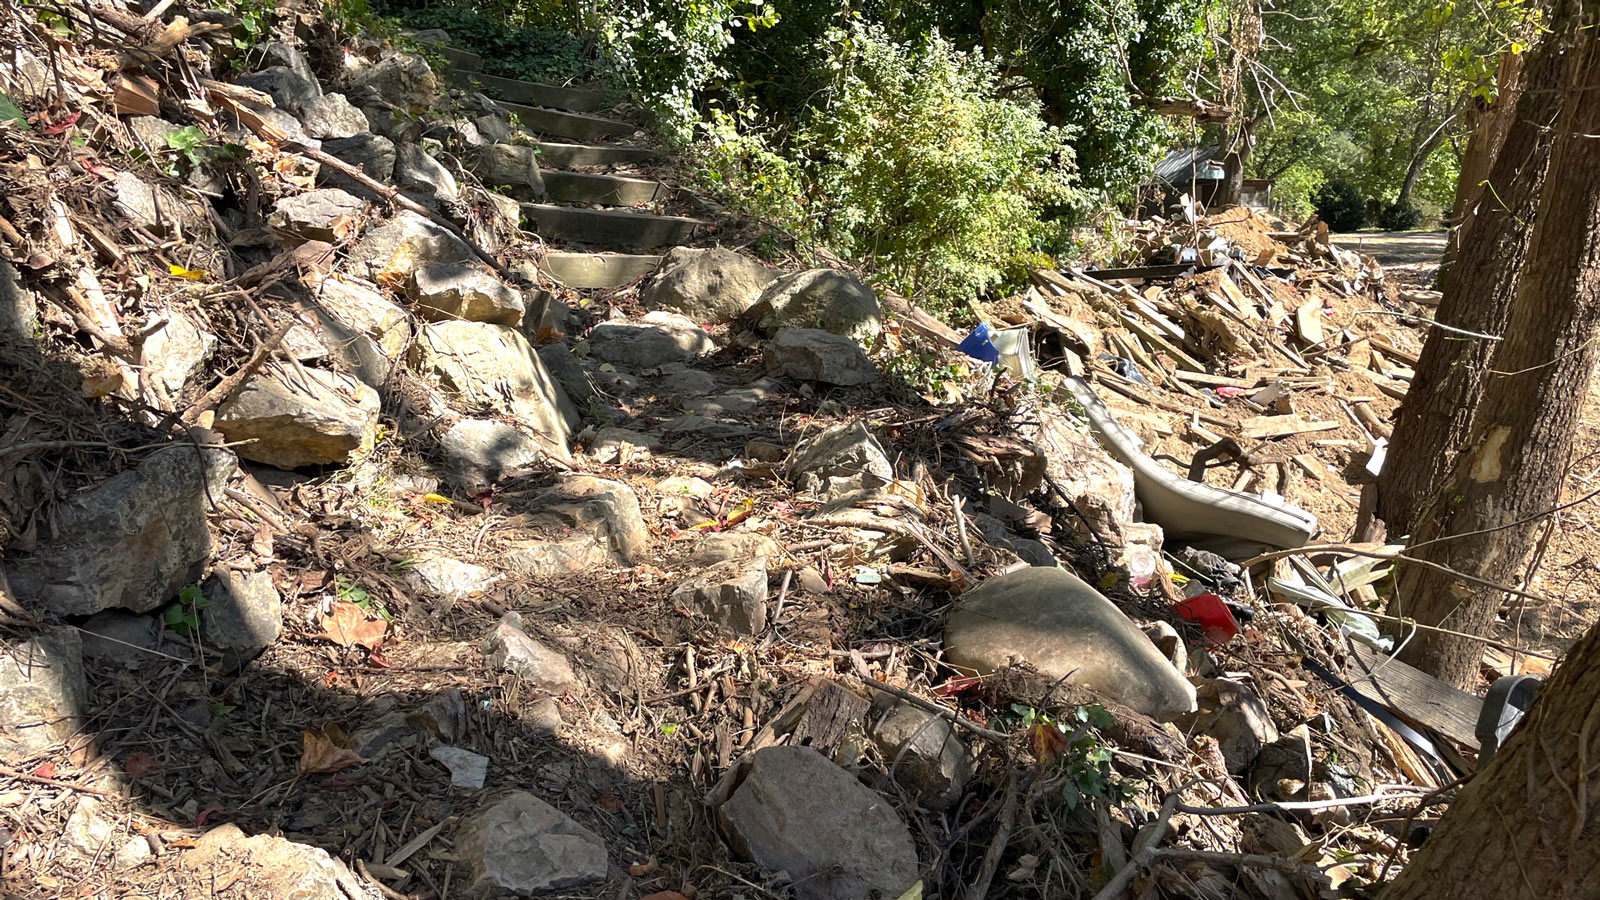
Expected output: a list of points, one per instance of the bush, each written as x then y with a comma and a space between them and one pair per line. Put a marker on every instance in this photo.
1339, 204
1400, 217
524, 41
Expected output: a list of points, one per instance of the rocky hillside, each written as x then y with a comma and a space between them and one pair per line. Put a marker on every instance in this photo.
411, 491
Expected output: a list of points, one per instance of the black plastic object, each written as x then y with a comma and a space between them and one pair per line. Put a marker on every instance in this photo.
1503, 707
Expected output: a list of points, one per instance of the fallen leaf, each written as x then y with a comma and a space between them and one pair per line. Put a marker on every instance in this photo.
319, 755
206, 814
435, 498
1047, 742
48, 770
65, 123
609, 803
191, 274
140, 764
347, 625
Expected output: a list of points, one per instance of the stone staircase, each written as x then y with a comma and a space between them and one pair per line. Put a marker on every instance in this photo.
597, 215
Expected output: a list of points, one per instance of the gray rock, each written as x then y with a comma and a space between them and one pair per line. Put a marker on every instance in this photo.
765, 451
828, 299
483, 451
467, 769
839, 459
797, 813
423, 177
731, 594
132, 542
92, 833
923, 752
726, 546
274, 867
328, 214
403, 80
279, 53
497, 128
1030, 551
392, 251
811, 354
680, 379
121, 638
457, 291
618, 445
243, 614
360, 307
1100, 488
522, 845
543, 717
713, 286
660, 337
1235, 715
1068, 632
373, 154
173, 353
568, 555
285, 122
449, 578
567, 371
294, 419
43, 695
608, 510
509, 649
332, 117
493, 367
512, 165
395, 124
151, 207
152, 132
19, 307
290, 90
737, 402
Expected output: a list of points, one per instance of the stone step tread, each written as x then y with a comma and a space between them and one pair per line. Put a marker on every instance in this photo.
597, 270
532, 92
613, 228
559, 155
462, 60
603, 190
558, 123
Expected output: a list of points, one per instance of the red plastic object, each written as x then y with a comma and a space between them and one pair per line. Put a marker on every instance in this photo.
1212, 615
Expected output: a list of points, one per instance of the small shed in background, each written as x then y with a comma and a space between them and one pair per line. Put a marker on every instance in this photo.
1196, 171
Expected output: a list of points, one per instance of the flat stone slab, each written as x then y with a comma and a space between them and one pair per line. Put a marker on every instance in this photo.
554, 154
1068, 631
598, 270
604, 190
614, 228
513, 91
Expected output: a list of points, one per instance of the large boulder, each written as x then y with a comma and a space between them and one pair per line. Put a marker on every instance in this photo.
522, 845
404, 80
838, 460
713, 286
483, 451
797, 813
423, 177
811, 354
390, 252
300, 418
661, 337
43, 693
326, 214
332, 117
264, 866
132, 542
1068, 633
458, 291
819, 298
732, 594
512, 165
494, 367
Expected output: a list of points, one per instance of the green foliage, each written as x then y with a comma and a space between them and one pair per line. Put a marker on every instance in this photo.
183, 615
1085, 760
529, 41
10, 113
186, 142
1399, 217
1339, 203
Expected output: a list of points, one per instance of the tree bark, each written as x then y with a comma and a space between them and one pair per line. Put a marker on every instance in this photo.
1432, 424
1234, 162
1524, 828
1420, 159
1486, 134
1516, 457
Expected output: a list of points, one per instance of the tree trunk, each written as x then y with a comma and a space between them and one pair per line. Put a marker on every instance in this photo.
1518, 831
1420, 159
1515, 461
1234, 162
1433, 422
1486, 132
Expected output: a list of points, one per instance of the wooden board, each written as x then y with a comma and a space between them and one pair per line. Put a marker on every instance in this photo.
1412, 695
1264, 427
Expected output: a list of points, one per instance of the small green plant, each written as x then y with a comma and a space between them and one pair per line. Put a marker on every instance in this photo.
183, 616
346, 589
186, 142
1074, 747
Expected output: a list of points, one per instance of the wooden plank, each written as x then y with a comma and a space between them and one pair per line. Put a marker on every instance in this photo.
1382, 343
1237, 298
1308, 321
1133, 324
1216, 380
1264, 427
1415, 696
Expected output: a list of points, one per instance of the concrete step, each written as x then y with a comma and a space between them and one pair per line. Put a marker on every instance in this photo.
464, 60
513, 91
597, 270
611, 228
602, 190
576, 126
570, 156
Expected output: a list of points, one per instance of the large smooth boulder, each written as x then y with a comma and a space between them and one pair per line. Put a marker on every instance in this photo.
459, 291
661, 337
390, 252
819, 298
1068, 632
494, 367
522, 845
797, 813
713, 286
811, 354
43, 693
132, 542
838, 460
300, 418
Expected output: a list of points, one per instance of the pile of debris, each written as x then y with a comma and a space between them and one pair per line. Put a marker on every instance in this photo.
347, 555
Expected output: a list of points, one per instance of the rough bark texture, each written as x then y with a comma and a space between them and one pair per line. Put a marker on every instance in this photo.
1526, 828
1432, 424
1515, 460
